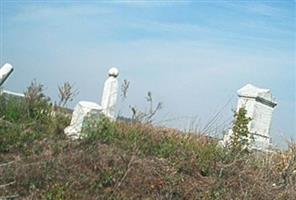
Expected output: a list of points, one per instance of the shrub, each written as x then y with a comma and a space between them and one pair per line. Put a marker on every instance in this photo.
240, 137
38, 105
24, 120
98, 128
12, 109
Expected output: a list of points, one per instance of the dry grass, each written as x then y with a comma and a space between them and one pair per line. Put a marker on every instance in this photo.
144, 162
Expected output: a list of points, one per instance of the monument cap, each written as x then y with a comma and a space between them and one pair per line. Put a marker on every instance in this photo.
251, 91
113, 72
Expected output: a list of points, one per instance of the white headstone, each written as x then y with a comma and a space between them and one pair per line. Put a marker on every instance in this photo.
81, 110
110, 93
259, 104
5, 71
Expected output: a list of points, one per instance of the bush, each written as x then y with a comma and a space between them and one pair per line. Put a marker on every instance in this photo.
38, 105
12, 109
98, 128
24, 120
241, 137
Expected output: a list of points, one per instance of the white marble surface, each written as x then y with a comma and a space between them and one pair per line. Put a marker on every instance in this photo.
5, 71
259, 104
110, 93
81, 110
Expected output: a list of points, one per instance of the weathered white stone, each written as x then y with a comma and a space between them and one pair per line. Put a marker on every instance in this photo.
81, 110
85, 108
12, 94
259, 104
5, 71
110, 93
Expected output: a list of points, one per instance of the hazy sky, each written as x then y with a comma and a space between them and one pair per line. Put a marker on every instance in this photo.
192, 55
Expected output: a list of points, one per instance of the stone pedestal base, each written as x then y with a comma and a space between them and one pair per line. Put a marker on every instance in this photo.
260, 142
81, 110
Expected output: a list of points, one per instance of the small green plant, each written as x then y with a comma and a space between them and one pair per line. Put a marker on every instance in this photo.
26, 120
38, 104
56, 193
241, 137
99, 128
12, 108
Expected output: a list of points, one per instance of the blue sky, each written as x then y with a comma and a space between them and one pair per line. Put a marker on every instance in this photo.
192, 55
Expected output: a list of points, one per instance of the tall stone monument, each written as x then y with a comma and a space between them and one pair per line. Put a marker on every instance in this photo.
259, 104
5, 71
110, 93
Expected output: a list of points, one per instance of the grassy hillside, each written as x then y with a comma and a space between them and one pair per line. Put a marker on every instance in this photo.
116, 160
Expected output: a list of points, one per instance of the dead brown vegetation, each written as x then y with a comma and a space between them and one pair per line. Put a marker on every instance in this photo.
195, 168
